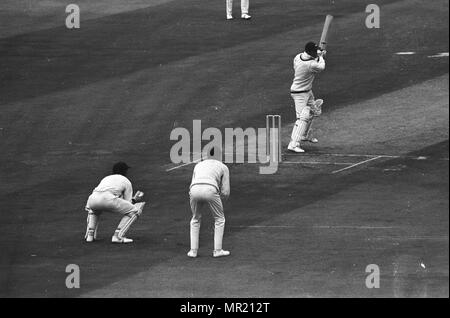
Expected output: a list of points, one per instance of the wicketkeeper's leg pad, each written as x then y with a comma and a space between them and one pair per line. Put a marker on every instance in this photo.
91, 223
128, 219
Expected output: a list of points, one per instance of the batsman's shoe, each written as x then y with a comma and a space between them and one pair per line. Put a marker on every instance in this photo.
295, 148
245, 16
121, 240
221, 253
192, 253
230, 17
311, 140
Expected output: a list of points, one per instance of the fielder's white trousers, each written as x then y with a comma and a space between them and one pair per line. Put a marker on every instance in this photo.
200, 196
244, 7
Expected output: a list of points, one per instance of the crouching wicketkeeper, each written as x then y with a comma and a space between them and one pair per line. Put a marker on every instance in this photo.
114, 194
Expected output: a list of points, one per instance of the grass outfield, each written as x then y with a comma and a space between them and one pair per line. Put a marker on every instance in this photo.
73, 102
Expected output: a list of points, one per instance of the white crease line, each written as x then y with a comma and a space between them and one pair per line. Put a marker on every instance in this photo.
372, 157
359, 227
402, 238
443, 54
183, 165
319, 163
342, 155
356, 164
381, 156
406, 53
264, 226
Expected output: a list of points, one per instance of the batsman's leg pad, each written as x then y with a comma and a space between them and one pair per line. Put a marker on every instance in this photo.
295, 132
305, 114
300, 129
308, 129
302, 124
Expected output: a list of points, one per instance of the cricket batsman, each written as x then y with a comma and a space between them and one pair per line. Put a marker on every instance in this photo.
306, 65
114, 194
210, 184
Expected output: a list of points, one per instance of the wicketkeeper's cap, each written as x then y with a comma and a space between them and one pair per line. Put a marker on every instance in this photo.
120, 168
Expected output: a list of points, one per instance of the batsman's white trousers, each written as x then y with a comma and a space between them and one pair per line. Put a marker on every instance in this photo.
201, 195
303, 103
244, 6
107, 202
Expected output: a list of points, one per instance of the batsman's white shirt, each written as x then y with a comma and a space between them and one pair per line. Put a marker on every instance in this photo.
212, 172
113, 194
306, 67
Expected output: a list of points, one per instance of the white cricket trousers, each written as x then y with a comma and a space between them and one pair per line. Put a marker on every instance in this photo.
303, 103
201, 195
107, 202
244, 7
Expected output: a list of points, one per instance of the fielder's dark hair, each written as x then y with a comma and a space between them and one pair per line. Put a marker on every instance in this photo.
311, 48
120, 168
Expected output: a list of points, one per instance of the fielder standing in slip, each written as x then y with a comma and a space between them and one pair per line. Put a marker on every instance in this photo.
306, 65
210, 184
114, 194
244, 10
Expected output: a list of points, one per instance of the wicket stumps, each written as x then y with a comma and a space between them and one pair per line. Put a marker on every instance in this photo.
273, 138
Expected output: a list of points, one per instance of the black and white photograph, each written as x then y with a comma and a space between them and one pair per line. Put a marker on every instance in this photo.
224, 155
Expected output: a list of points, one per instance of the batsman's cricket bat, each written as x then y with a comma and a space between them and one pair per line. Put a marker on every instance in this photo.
324, 37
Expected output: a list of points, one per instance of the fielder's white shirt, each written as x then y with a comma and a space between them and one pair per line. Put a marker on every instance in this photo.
118, 185
212, 172
306, 67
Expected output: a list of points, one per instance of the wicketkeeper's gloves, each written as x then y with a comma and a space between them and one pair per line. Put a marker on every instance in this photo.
138, 197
